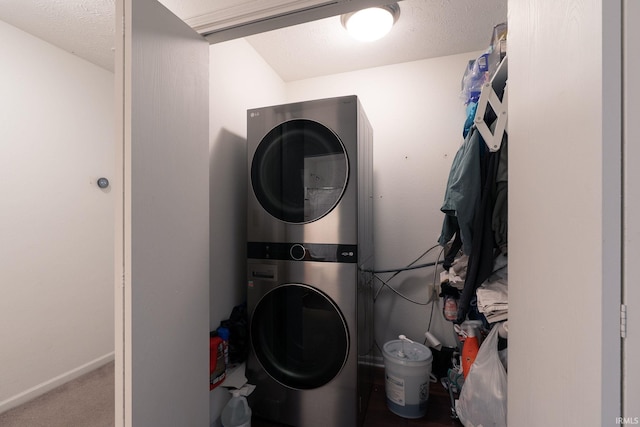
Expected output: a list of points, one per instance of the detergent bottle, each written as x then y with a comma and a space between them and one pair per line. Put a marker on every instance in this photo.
237, 412
217, 366
470, 346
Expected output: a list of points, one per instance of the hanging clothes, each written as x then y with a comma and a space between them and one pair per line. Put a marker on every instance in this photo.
462, 194
475, 203
500, 211
484, 248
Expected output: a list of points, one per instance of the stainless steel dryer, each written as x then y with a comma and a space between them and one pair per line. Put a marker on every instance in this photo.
310, 244
310, 172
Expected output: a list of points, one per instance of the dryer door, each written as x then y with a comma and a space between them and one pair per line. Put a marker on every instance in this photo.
299, 336
299, 171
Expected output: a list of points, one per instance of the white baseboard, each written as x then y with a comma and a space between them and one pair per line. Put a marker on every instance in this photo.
49, 385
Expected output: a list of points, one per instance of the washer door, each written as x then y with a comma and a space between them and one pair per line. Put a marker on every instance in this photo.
299, 171
299, 336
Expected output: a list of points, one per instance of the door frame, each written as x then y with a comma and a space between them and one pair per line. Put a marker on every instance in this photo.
162, 218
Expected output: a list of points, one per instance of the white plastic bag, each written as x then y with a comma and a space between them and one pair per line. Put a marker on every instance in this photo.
483, 400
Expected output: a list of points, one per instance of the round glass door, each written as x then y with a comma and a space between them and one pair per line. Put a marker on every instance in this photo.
299, 171
299, 336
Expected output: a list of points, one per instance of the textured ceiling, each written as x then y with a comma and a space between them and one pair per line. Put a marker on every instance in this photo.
84, 28
426, 29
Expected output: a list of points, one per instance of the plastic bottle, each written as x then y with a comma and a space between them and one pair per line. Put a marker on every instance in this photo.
469, 350
217, 367
224, 334
450, 308
237, 412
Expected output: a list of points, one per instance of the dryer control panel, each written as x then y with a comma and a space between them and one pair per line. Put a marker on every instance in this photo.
321, 252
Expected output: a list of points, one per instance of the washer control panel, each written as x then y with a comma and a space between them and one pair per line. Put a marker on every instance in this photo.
320, 252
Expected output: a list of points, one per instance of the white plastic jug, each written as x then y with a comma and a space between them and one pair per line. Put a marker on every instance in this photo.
237, 412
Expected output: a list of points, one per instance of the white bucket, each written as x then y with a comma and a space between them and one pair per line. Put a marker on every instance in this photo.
407, 367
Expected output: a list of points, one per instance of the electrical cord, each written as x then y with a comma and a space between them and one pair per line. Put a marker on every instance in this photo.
408, 267
401, 295
411, 266
435, 277
397, 271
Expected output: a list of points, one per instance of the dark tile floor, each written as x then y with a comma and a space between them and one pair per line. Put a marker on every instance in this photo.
378, 415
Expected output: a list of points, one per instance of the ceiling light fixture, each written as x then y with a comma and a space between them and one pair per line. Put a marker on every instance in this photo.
372, 23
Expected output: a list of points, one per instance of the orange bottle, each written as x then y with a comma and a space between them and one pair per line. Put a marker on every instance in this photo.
469, 351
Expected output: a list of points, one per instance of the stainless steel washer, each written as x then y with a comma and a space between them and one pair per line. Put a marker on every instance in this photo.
310, 330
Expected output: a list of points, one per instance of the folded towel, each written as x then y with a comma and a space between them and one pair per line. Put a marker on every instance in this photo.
493, 295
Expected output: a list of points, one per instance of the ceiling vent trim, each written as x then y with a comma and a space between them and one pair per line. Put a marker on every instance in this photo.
256, 16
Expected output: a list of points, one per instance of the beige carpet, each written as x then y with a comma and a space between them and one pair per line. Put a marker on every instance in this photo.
87, 401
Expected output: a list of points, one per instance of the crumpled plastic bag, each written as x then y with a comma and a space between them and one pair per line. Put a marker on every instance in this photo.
483, 399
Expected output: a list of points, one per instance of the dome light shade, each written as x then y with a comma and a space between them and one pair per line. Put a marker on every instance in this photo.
372, 23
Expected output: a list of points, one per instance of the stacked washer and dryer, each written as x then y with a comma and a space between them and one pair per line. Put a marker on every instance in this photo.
310, 253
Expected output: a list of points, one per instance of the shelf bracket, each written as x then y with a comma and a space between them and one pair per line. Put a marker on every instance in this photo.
489, 97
